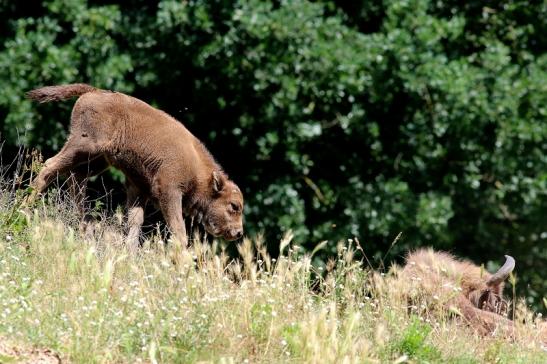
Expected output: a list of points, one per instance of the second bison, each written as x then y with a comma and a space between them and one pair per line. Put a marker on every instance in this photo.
438, 281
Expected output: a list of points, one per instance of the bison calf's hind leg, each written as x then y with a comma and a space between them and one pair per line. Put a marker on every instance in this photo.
72, 154
135, 216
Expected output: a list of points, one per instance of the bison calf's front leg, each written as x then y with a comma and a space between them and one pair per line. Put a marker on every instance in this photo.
171, 208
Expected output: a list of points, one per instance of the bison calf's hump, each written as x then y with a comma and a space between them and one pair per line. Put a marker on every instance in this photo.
161, 159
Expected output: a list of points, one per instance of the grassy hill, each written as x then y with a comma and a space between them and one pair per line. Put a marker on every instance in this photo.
85, 299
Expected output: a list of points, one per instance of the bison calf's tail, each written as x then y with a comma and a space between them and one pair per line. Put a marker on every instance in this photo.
60, 92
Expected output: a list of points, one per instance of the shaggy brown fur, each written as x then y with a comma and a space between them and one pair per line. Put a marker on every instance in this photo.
460, 286
162, 161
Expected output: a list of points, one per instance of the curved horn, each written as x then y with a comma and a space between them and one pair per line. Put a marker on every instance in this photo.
502, 273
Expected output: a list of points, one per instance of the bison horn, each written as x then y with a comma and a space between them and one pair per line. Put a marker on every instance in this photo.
502, 273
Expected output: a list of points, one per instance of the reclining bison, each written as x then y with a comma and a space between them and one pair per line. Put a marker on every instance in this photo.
162, 161
438, 281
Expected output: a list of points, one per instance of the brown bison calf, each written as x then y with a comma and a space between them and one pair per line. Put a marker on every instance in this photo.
439, 281
162, 161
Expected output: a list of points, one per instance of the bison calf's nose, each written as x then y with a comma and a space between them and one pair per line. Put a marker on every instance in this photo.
238, 234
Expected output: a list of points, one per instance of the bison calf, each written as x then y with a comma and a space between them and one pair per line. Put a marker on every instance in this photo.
162, 161
446, 283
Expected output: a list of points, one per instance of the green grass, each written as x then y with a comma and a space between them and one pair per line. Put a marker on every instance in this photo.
91, 301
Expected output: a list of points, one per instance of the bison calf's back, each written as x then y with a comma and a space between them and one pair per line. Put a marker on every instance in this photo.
162, 161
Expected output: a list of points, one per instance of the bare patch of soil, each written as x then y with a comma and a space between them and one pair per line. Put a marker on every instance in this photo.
11, 352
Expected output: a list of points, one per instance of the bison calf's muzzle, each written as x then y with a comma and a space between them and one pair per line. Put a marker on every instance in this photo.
234, 234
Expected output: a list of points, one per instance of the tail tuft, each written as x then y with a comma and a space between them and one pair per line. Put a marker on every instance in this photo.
60, 92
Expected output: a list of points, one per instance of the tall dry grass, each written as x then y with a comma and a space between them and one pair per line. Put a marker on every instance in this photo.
86, 297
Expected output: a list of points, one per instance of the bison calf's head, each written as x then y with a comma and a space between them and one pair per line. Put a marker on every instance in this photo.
224, 214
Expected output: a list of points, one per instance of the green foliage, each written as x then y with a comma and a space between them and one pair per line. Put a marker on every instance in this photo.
337, 118
413, 343
72, 41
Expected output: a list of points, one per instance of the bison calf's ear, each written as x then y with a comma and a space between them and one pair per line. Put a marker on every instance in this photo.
218, 182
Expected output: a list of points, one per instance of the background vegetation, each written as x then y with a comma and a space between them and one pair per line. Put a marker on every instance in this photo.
338, 119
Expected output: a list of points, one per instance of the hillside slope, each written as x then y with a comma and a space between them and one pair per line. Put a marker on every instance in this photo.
87, 300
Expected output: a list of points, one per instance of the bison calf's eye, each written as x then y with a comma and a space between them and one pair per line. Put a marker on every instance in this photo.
235, 207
